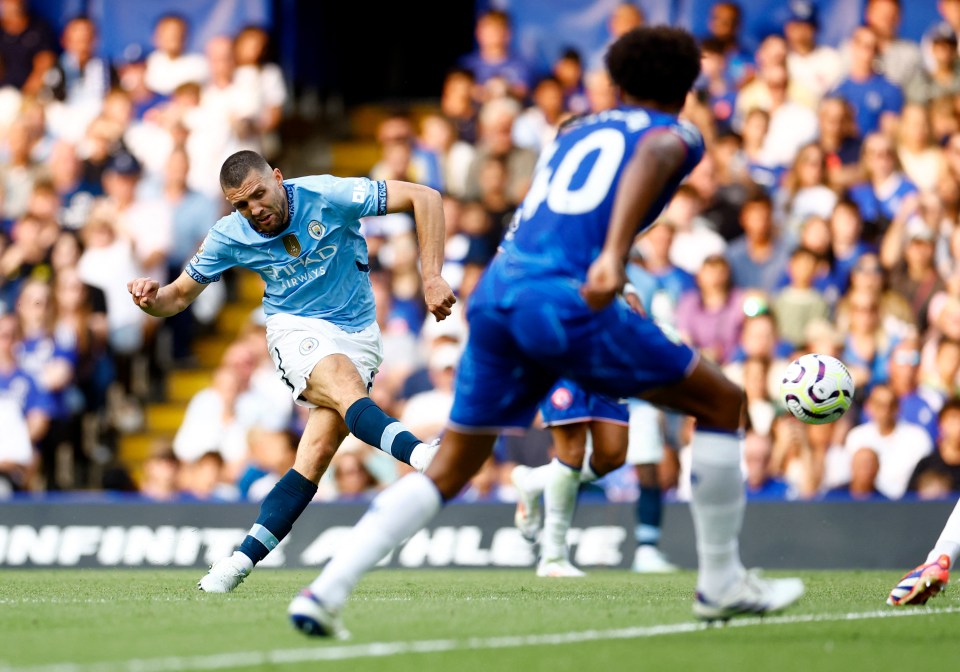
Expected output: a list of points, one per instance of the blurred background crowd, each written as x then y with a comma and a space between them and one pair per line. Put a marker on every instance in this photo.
823, 218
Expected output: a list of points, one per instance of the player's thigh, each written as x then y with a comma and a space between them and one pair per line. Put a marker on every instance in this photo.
706, 394
322, 435
570, 442
609, 446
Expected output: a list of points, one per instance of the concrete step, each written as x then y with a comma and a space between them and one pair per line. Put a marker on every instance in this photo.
250, 288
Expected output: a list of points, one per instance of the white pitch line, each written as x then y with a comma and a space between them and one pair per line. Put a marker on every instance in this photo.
385, 649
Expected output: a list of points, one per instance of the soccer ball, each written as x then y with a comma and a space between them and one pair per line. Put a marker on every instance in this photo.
817, 389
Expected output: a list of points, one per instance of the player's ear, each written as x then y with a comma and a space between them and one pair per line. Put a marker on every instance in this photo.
278, 176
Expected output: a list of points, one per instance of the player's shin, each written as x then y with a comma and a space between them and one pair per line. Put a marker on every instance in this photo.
559, 501
370, 424
717, 505
395, 514
281, 507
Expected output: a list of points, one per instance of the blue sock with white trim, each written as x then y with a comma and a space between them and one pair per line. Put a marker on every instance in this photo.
278, 512
370, 424
649, 516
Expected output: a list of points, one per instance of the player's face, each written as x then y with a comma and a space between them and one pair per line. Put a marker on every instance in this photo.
262, 200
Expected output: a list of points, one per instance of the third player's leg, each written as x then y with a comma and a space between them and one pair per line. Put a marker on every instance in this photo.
324, 432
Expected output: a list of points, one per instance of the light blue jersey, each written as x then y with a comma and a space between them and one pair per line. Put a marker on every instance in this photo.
317, 266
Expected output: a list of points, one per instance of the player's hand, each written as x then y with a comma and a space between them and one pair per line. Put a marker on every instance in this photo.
144, 292
605, 279
438, 297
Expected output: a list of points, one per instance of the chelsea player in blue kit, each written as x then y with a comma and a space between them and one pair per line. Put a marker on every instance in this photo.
547, 308
302, 236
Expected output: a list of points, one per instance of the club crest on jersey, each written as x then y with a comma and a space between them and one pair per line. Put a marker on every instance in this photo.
316, 230
561, 398
308, 345
292, 245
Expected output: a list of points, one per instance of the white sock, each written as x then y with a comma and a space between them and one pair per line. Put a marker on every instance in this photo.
717, 506
559, 501
587, 474
536, 479
949, 541
394, 515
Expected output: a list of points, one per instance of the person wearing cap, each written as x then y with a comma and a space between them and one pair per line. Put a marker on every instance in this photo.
942, 76
816, 67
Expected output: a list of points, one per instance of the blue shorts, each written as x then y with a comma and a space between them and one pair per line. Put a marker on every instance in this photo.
528, 333
567, 403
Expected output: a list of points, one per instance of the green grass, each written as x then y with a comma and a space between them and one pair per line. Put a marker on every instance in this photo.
98, 616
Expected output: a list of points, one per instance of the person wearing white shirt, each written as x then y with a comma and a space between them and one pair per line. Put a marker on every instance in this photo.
816, 68
899, 445
168, 67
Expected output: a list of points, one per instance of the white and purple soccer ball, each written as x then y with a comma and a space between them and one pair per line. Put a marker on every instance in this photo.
817, 389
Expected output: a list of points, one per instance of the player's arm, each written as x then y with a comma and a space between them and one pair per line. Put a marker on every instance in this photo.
164, 301
427, 207
653, 165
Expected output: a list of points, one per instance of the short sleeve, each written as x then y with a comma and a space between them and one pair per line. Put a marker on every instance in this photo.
358, 197
212, 258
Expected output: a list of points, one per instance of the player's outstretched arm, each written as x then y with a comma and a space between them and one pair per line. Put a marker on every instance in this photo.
164, 301
656, 161
427, 207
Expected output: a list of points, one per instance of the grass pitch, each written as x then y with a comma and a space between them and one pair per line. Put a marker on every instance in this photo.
157, 621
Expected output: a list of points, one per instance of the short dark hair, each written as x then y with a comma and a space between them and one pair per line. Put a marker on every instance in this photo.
757, 195
657, 63
237, 166
951, 404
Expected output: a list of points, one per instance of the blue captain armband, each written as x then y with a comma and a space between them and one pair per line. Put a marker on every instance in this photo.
200, 277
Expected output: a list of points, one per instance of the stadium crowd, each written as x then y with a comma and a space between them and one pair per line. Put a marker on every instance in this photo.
823, 218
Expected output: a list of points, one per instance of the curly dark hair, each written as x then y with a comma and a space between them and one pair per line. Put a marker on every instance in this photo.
658, 64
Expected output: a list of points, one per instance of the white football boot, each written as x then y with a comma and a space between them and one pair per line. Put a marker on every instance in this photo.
559, 568
752, 595
311, 618
226, 574
651, 560
423, 455
529, 514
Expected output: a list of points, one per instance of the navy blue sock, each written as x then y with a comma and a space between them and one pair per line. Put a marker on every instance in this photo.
649, 516
279, 510
370, 424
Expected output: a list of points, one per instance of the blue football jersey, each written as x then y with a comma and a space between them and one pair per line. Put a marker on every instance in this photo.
318, 265
562, 223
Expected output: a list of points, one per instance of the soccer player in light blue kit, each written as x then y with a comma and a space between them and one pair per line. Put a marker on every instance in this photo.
302, 236
547, 308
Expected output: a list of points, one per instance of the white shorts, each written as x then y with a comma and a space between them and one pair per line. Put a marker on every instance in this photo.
297, 343
645, 442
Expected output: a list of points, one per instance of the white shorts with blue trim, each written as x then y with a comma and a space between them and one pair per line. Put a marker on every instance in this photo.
297, 344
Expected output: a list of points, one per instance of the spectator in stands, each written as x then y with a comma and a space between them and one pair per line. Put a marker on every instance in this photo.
438, 135
915, 276
793, 457
16, 450
27, 47
169, 66
839, 140
867, 346
714, 87
862, 487
34, 403
815, 67
427, 412
899, 445
161, 475
19, 171
756, 388
536, 127
711, 317
815, 236
493, 57
75, 86
772, 86
876, 101
758, 257
917, 405
921, 158
885, 194
401, 158
942, 78
939, 376
659, 283
868, 277
625, 17
53, 367
272, 454
25, 257
496, 141
724, 24
457, 103
568, 70
945, 461
131, 69
694, 238
899, 58
263, 80
355, 481
799, 303
204, 479
804, 190
761, 484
